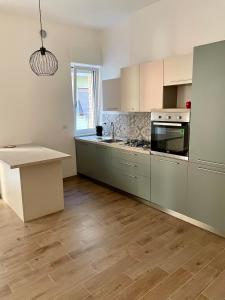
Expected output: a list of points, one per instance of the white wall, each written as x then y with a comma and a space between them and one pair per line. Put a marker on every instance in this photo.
166, 28
36, 109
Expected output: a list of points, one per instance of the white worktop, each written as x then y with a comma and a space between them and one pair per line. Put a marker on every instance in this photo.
29, 154
119, 145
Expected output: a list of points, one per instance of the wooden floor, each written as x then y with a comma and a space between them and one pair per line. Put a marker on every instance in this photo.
106, 245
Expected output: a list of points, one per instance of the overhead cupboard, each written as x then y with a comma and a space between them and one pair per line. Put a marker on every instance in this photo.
130, 89
151, 85
111, 94
178, 70
142, 87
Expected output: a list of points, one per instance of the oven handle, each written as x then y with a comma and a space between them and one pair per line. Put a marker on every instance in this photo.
167, 124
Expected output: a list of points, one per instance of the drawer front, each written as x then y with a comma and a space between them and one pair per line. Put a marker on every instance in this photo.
134, 184
131, 167
131, 156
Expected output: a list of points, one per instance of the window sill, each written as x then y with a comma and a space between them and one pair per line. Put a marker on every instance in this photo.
85, 132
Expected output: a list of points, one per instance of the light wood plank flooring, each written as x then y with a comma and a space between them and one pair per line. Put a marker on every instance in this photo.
106, 245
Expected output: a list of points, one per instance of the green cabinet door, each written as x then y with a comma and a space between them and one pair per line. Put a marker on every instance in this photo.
94, 161
103, 164
169, 183
207, 138
86, 156
206, 195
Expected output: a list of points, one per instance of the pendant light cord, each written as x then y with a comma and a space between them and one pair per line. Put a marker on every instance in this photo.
42, 61
40, 22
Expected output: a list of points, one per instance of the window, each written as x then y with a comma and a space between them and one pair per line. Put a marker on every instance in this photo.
87, 98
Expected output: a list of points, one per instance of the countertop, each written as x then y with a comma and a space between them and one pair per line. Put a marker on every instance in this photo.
119, 145
29, 154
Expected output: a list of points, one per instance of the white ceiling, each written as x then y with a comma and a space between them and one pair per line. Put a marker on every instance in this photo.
94, 13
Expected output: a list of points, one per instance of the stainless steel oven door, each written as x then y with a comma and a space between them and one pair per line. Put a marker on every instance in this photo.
170, 137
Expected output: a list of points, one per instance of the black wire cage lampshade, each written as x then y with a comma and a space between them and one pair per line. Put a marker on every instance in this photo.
42, 61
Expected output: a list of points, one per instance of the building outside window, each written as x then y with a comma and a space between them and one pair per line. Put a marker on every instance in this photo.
86, 84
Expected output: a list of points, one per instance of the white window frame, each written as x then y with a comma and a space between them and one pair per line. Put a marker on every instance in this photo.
97, 90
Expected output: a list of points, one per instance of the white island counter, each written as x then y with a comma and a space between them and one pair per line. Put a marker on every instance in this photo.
31, 180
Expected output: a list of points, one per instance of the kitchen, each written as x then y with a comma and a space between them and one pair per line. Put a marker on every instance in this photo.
178, 180
137, 148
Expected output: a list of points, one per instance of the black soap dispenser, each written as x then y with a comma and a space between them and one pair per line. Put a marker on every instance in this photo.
99, 130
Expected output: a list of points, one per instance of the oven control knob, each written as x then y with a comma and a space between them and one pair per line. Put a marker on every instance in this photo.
160, 117
179, 117
169, 117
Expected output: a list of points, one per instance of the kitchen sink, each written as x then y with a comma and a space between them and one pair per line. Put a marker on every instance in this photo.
110, 141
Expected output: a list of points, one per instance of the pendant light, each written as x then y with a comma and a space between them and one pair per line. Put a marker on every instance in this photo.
42, 61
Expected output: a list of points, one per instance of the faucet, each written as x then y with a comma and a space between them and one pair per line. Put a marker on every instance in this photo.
113, 130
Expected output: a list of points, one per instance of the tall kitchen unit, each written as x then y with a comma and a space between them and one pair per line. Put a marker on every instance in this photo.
206, 175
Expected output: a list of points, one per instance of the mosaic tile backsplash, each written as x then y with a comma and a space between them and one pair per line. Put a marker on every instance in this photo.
128, 125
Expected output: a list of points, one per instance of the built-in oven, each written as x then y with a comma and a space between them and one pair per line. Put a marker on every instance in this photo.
170, 134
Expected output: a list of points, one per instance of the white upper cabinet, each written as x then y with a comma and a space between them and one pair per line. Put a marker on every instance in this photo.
130, 89
151, 86
111, 95
142, 85
178, 70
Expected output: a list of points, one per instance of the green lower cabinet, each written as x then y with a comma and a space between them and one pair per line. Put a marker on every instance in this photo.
85, 153
206, 195
126, 170
94, 161
103, 164
169, 183
195, 190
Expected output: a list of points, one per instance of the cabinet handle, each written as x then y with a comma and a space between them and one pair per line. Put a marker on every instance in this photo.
170, 162
101, 147
131, 176
167, 124
133, 154
127, 164
186, 79
211, 171
211, 162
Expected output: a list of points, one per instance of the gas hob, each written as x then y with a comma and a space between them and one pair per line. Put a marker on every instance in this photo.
146, 145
